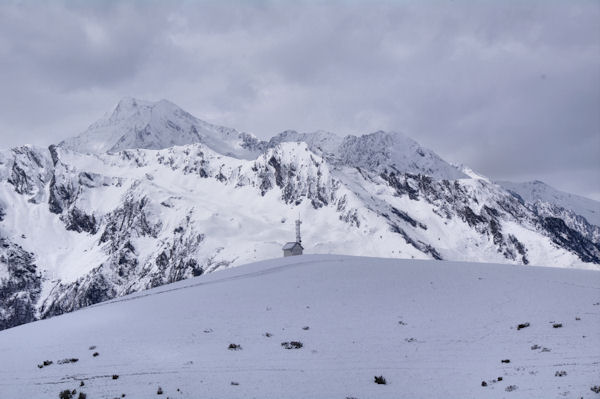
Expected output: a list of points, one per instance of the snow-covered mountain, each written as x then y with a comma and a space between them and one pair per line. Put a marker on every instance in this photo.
539, 193
430, 329
156, 125
91, 219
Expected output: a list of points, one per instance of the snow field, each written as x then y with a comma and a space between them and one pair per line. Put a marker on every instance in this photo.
432, 329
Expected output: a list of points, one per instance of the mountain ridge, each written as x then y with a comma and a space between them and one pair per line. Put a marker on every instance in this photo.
538, 191
111, 223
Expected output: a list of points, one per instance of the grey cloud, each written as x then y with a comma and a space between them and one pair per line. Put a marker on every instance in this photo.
511, 89
72, 50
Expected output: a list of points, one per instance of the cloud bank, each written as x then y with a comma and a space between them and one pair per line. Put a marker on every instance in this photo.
511, 89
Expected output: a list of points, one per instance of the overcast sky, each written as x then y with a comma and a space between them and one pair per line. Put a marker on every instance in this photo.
511, 89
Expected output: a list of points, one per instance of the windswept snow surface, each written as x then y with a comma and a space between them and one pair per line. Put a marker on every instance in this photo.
432, 329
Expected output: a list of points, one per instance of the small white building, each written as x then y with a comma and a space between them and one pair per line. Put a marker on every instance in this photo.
294, 248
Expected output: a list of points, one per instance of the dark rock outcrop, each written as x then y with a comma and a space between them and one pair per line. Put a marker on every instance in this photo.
20, 289
564, 236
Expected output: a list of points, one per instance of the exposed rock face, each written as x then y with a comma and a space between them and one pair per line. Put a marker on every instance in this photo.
541, 195
87, 227
566, 237
572, 220
79, 221
128, 220
453, 199
119, 270
299, 174
28, 170
20, 285
88, 290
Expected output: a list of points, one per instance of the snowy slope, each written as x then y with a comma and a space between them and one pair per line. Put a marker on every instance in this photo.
155, 125
537, 191
432, 329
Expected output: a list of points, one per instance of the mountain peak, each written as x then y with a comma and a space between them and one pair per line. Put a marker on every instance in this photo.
136, 123
128, 102
128, 107
125, 108
394, 151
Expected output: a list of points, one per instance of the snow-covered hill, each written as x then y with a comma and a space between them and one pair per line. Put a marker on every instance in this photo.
431, 329
82, 223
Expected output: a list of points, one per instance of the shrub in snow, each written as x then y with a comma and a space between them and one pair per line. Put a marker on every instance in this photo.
66, 394
595, 389
380, 380
534, 347
305, 328
234, 347
510, 388
82, 396
268, 334
92, 347
292, 345
561, 373
235, 383
522, 325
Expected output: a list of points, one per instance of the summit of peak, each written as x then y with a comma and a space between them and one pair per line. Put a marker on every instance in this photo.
131, 102
126, 108
136, 123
